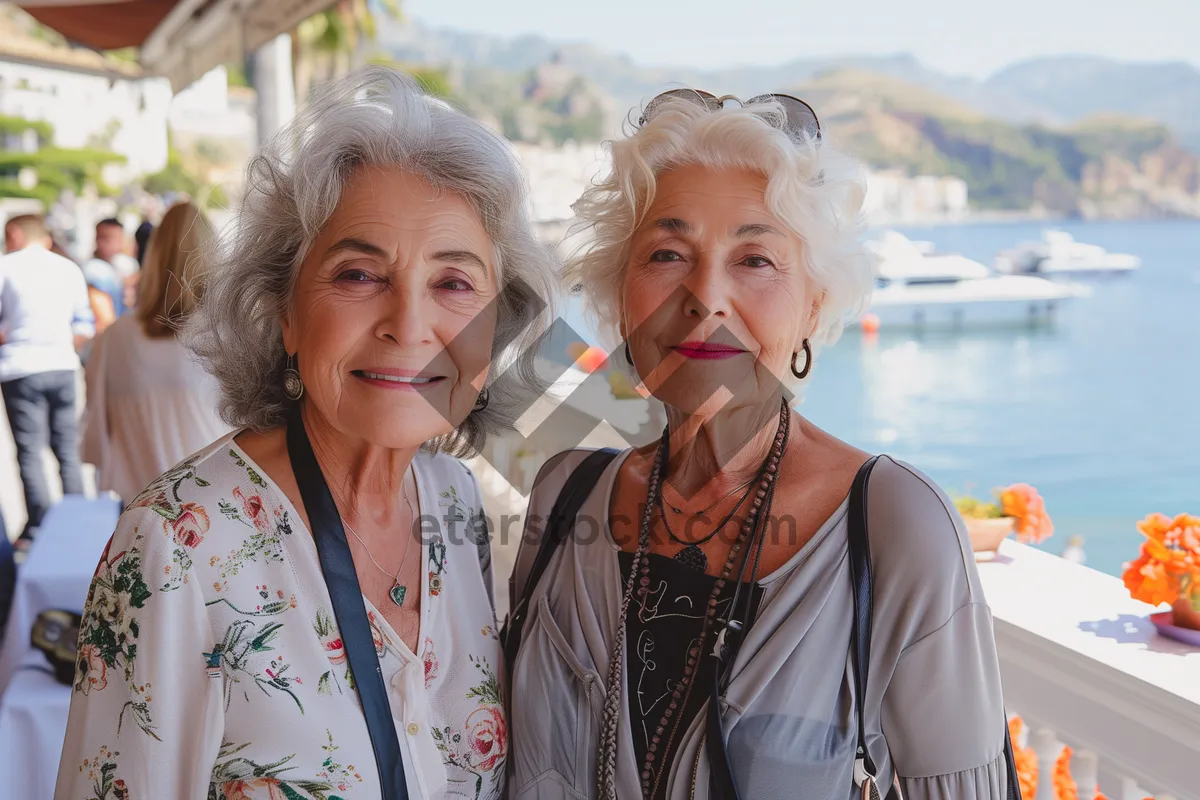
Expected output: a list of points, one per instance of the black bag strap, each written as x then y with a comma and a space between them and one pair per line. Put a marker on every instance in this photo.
337, 565
721, 784
562, 520
861, 585
860, 651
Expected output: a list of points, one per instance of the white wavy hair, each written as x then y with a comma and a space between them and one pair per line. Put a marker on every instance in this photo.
374, 116
812, 188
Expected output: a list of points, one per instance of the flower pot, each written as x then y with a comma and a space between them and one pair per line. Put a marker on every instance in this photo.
1184, 616
987, 534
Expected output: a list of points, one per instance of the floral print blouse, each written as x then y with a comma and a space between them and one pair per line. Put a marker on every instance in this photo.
211, 667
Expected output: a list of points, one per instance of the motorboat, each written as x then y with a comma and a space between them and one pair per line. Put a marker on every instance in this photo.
915, 289
1058, 253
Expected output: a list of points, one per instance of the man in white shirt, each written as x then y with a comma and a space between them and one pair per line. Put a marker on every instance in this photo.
44, 318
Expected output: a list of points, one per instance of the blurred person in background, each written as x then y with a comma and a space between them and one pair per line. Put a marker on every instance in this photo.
149, 403
45, 317
109, 269
141, 239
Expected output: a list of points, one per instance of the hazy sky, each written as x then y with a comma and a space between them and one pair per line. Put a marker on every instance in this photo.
970, 37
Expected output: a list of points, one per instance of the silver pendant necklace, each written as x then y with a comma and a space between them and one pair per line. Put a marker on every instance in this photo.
398, 591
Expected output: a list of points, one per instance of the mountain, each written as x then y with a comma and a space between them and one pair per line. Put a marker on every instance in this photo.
1074, 87
1051, 90
628, 83
1044, 134
1101, 166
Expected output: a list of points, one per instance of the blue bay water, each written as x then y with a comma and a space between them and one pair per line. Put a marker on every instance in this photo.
1100, 412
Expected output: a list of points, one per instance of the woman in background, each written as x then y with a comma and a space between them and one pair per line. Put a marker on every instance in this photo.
149, 403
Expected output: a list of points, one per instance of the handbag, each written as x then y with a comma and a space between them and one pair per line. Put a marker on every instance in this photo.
56, 633
574, 492
337, 565
722, 785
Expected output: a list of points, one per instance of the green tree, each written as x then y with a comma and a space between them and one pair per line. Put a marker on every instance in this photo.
178, 178
56, 168
433, 80
323, 44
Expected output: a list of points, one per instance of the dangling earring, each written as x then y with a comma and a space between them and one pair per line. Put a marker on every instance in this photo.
628, 355
802, 374
293, 387
481, 402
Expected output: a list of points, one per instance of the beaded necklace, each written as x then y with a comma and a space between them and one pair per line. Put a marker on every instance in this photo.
640, 571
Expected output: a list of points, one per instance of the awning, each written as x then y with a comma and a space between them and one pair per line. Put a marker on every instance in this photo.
178, 39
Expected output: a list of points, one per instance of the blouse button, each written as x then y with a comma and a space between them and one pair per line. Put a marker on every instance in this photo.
413, 729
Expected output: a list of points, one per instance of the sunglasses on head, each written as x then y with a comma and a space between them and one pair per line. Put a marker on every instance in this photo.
800, 117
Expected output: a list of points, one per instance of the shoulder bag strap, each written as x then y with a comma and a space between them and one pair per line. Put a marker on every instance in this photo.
860, 650
337, 565
861, 586
562, 520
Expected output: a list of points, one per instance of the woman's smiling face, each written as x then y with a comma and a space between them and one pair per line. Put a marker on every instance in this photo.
392, 317
715, 293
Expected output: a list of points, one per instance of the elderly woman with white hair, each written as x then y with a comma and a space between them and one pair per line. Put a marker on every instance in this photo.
304, 609
767, 611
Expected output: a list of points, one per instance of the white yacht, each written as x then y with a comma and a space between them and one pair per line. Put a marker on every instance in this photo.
916, 289
1057, 253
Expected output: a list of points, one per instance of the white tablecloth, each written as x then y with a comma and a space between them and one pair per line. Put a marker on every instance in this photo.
57, 571
33, 710
33, 723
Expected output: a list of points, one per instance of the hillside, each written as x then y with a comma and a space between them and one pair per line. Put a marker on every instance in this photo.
1097, 167
1075, 87
1053, 90
1013, 139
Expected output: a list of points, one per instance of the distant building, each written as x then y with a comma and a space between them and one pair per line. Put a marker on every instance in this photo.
893, 197
89, 100
219, 121
557, 177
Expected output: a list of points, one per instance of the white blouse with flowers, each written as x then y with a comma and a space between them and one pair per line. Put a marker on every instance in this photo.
211, 668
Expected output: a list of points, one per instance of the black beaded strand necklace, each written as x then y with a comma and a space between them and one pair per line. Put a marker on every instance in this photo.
640, 569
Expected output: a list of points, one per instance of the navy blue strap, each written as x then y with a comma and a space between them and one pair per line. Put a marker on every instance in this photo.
337, 565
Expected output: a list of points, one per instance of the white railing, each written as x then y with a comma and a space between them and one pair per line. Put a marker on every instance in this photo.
1083, 666
1084, 766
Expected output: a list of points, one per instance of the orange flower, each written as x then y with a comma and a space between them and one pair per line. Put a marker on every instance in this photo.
1065, 787
1023, 503
1147, 580
1169, 564
1024, 759
588, 359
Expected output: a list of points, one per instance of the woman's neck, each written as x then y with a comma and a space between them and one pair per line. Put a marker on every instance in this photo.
367, 481
712, 453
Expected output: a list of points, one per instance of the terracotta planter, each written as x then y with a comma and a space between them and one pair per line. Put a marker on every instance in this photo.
987, 534
1183, 615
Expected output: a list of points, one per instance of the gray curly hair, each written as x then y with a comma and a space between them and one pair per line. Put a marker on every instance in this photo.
380, 117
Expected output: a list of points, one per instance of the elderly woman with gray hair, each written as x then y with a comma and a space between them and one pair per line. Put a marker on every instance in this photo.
304, 609
767, 611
